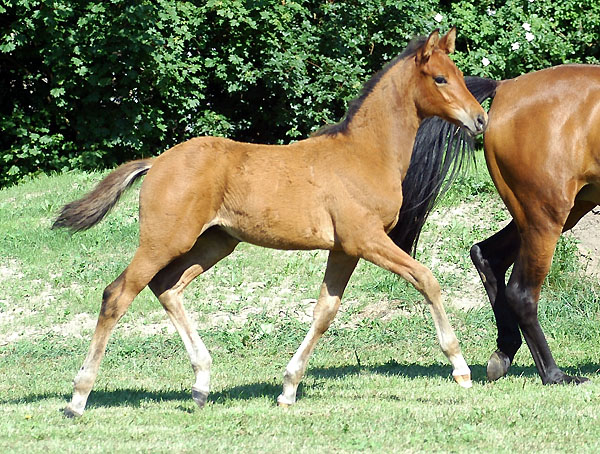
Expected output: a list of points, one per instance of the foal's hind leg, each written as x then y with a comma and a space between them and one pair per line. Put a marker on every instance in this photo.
115, 301
492, 258
338, 272
168, 286
381, 250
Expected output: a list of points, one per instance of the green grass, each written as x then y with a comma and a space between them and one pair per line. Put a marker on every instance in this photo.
377, 382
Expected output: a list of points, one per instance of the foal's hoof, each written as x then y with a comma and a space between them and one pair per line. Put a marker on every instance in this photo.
463, 380
284, 402
497, 366
70, 413
200, 397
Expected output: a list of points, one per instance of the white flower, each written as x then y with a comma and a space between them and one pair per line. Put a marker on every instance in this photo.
515, 46
527, 26
485, 61
491, 12
438, 17
529, 36
530, 1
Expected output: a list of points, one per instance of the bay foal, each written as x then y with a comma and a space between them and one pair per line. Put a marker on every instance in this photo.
340, 190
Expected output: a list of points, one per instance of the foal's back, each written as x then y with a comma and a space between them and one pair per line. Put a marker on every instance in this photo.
305, 192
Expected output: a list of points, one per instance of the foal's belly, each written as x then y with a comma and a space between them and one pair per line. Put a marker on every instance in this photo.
297, 239
281, 229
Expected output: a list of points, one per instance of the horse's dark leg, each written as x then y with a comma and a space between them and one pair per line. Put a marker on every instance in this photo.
522, 295
492, 258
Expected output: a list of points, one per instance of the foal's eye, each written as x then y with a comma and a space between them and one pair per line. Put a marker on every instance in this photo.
440, 80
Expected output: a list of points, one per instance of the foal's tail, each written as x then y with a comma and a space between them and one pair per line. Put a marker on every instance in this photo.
438, 157
91, 208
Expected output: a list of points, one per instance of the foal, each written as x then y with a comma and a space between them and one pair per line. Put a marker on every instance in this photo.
340, 190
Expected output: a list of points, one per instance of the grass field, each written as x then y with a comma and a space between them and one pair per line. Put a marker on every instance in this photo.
377, 382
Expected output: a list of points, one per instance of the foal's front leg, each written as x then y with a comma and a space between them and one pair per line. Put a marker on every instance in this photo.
381, 250
338, 272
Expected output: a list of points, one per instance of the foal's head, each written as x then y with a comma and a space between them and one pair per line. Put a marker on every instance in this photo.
440, 88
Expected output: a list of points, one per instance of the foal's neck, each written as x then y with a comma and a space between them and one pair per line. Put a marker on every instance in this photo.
386, 124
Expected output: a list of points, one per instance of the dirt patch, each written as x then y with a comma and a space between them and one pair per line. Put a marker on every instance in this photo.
587, 232
10, 270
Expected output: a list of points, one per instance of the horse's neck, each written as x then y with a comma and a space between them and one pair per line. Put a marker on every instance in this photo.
387, 122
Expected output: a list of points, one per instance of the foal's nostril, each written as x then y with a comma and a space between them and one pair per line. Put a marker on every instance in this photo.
480, 122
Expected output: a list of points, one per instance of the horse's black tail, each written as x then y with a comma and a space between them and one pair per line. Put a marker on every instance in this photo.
481, 87
438, 156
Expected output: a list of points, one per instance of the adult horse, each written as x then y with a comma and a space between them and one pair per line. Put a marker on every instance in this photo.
340, 190
542, 149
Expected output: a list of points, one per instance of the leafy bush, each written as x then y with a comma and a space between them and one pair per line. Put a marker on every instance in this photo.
92, 83
505, 39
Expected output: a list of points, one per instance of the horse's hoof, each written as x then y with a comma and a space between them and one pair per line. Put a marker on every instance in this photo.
70, 413
200, 397
463, 380
560, 378
577, 380
497, 365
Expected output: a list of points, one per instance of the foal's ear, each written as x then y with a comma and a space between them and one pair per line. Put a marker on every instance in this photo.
426, 50
448, 40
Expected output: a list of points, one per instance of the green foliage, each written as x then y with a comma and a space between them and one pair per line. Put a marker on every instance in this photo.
90, 84
93, 83
505, 39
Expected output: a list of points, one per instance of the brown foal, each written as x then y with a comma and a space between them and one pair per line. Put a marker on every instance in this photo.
340, 190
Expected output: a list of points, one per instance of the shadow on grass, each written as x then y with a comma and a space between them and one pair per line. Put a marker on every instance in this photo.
134, 397
478, 371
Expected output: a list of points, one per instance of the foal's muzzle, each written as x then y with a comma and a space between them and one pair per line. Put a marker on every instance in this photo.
480, 124
476, 125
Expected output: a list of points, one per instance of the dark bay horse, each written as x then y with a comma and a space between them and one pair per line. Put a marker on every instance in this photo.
340, 190
542, 149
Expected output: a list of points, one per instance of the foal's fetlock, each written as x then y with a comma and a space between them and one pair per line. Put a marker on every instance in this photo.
498, 365
291, 380
199, 396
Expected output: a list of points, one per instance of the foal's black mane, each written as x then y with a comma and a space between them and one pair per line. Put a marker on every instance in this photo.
369, 85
